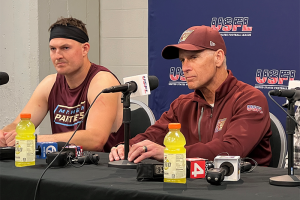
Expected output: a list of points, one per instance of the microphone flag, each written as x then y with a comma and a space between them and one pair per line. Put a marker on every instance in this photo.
142, 82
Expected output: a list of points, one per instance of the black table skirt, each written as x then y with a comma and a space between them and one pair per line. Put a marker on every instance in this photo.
102, 182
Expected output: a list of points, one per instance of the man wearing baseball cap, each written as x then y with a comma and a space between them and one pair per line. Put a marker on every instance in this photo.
223, 114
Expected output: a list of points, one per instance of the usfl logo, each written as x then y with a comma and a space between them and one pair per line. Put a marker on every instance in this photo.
274, 79
145, 84
254, 108
177, 77
232, 26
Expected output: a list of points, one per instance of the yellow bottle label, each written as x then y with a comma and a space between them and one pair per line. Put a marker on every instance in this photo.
174, 166
24, 150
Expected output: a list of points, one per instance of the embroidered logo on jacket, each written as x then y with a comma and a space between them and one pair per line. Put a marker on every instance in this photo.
254, 108
220, 125
69, 116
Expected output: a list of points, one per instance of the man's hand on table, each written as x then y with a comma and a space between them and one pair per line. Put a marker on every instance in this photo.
138, 152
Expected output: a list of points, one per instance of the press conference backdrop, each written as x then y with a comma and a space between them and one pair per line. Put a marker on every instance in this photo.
262, 40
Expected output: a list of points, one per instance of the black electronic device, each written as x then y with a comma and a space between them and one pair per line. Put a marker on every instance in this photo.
216, 175
132, 86
87, 159
61, 160
291, 93
149, 170
245, 166
7, 153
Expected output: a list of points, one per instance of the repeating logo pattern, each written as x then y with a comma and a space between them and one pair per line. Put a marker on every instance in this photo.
232, 26
274, 79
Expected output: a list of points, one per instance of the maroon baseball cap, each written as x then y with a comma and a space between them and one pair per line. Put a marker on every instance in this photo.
194, 39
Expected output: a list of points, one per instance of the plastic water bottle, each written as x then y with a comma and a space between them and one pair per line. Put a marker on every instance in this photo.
174, 155
25, 142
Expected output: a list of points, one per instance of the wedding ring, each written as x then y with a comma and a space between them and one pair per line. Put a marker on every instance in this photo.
145, 149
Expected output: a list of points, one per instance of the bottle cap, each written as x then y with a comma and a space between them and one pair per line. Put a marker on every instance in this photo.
174, 126
25, 115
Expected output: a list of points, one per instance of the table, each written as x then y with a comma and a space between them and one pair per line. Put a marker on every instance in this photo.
103, 182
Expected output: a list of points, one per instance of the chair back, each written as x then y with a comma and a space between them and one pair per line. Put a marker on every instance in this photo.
141, 118
278, 143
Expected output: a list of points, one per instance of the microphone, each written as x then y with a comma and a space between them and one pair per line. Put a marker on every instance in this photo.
292, 93
88, 159
216, 175
44, 148
137, 85
4, 78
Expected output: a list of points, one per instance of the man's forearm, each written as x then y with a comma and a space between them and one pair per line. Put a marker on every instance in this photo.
88, 141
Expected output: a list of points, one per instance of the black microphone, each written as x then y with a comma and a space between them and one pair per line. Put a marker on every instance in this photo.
88, 159
4, 78
127, 87
292, 93
132, 86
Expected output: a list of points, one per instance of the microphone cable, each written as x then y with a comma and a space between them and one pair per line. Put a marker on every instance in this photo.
243, 160
254, 161
37, 185
283, 109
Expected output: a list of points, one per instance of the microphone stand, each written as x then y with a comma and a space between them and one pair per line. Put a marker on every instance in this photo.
125, 164
290, 179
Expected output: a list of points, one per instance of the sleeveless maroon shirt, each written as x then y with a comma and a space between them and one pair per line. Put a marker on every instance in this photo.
68, 106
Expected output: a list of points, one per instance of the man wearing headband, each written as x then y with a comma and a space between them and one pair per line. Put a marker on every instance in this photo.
68, 94
222, 115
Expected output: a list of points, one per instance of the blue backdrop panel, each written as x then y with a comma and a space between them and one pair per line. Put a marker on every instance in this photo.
262, 40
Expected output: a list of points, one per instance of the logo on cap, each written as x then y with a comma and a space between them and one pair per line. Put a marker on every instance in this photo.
212, 44
184, 35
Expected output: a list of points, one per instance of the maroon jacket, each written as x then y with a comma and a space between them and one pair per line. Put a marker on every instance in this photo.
239, 123
68, 106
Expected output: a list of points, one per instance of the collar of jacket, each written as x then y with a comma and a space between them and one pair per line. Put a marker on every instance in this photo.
222, 91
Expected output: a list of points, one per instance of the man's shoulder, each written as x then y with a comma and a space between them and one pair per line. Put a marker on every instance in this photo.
49, 80
184, 98
246, 91
246, 88
45, 86
105, 77
99, 67
102, 80
188, 96
103, 74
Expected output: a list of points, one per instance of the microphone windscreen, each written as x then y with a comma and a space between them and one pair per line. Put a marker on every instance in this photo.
153, 82
274, 92
4, 78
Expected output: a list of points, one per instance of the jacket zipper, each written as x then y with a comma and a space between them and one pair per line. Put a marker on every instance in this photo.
201, 115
